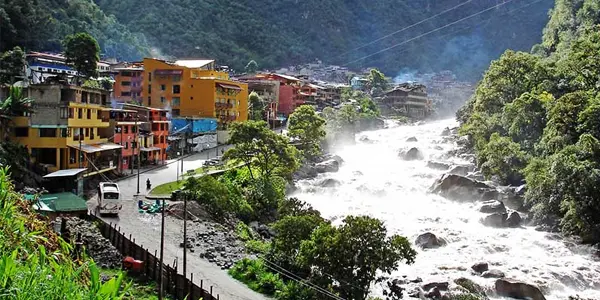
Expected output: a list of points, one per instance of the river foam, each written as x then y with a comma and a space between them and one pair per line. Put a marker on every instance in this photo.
375, 182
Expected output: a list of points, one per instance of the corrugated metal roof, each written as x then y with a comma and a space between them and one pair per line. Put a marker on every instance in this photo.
65, 173
193, 63
64, 202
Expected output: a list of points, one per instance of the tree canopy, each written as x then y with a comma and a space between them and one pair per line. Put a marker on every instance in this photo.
12, 65
82, 51
307, 129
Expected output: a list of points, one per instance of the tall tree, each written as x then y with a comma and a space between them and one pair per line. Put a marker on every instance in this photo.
377, 82
348, 257
251, 67
308, 130
258, 146
15, 105
257, 107
12, 65
82, 51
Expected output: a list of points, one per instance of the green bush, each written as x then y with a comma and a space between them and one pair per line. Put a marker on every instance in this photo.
255, 275
258, 246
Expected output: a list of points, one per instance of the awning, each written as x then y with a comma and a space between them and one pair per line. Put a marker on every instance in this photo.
229, 86
96, 147
64, 173
149, 149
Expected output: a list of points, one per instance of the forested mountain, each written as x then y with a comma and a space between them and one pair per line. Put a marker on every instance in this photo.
41, 25
534, 119
276, 33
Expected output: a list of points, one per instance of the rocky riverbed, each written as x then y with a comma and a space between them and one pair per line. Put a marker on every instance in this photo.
473, 236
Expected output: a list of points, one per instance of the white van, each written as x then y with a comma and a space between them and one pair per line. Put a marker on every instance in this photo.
109, 198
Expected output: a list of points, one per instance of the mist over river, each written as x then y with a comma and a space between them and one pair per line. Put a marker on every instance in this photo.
376, 182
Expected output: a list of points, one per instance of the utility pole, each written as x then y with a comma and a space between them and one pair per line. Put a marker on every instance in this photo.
80, 153
185, 235
137, 144
162, 245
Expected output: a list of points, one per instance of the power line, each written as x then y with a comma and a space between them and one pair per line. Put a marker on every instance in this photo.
429, 32
406, 28
273, 266
484, 21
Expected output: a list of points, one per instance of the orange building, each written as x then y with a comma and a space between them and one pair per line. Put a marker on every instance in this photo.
194, 88
128, 83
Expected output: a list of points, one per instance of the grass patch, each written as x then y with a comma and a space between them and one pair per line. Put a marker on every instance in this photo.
202, 170
167, 188
257, 246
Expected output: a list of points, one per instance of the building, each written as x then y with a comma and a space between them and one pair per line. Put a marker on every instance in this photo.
194, 88
125, 128
406, 99
65, 130
154, 132
358, 83
268, 91
41, 66
289, 92
192, 134
128, 83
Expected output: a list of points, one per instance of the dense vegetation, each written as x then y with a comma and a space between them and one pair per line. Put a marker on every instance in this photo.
41, 25
37, 264
534, 120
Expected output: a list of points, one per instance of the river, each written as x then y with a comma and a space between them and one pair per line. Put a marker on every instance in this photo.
375, 182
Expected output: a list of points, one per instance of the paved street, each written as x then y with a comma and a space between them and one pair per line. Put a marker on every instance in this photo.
145, 229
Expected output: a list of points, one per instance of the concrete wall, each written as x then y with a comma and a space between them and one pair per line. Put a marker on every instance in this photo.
47, 105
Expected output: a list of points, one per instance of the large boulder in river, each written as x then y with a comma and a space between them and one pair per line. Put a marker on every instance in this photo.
306, 172
493, 273
480, 267
429, 240
411, 154
411, 139
330, 165
459, 188
334, 157
495, 220
492, 206
518, 290
446, 132
436, 165
514, 219
329, 182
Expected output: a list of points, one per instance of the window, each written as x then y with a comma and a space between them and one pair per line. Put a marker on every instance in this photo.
80, 113
47, 132
64, 132
89, 114
175, 112
126, 74
163, 87
149, 76
21, 131
176, 78
133, 129
125, 94
64, 112
133, 145
87, 132
125, 83
162, 99
176, 101
71, 113
149, 89
176, 89
72, 155
126, 129
162, 126
149, 101
126, 145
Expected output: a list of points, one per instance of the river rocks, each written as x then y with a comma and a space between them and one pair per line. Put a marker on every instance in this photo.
217, 244
446, 132
513, 197
514, 219
459, 188
412, 139
495, 220
442, 286
493, 273
469, 285
429, 240
480, 267
462, 170
492, 206
436, 165
518, 290
365, 139
329, 182
306, 172
330, 165
411, 154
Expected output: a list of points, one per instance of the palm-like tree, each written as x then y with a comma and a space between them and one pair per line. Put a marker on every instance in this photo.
15, 105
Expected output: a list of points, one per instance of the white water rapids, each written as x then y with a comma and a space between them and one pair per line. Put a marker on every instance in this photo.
375, 182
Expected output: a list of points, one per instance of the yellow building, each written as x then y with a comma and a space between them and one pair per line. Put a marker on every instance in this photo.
194, 88
66, 122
